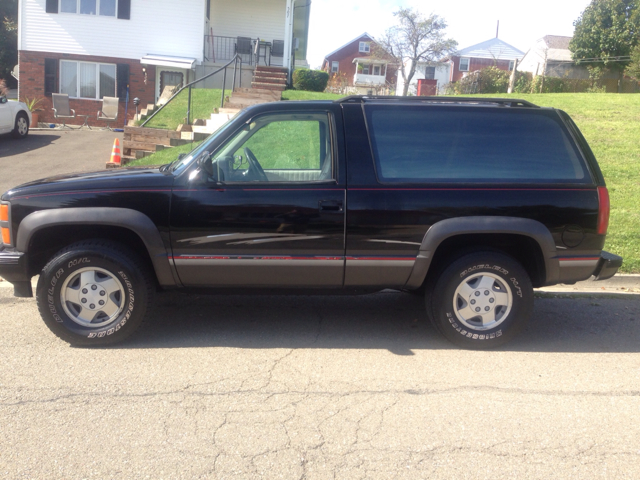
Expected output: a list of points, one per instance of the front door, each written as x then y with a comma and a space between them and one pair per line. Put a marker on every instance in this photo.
272, 212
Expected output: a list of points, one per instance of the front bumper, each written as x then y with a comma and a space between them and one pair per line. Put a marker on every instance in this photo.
608, 265
13, 268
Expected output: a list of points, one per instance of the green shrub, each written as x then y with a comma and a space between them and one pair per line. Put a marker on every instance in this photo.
310, 80
487, 80
559, 85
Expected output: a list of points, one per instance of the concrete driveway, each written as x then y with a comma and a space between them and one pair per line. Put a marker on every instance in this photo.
52, 152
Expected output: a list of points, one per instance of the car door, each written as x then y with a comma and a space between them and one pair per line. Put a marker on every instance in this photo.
272, 210
6, 115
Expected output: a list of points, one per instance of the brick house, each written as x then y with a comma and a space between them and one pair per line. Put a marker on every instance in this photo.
491, 53
95, 48
362, 70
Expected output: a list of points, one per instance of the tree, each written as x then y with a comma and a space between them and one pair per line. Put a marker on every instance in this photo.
633, 69
606, 31
8, 38
415, 39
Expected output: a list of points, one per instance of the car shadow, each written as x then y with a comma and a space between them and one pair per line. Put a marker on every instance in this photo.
11, 146
389, 320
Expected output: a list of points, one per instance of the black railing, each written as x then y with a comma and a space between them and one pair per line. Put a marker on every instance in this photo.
219, 49
236, 60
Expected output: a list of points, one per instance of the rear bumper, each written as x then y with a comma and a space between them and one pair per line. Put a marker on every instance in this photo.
608, 265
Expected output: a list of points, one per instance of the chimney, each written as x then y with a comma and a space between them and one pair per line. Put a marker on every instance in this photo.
498, 29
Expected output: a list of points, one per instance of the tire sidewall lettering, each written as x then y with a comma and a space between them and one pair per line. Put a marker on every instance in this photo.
53, 298
488, 335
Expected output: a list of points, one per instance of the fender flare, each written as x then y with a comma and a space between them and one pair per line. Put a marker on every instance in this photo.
127, 218
452, 227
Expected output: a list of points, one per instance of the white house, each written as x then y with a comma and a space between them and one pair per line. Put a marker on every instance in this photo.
436, 72
550, 56
95, 48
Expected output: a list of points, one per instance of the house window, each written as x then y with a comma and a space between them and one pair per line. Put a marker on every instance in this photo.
87, 80
334, 67
365, 69
464, 64
105, 8
511, 65
365, 47
430, 73
376, 69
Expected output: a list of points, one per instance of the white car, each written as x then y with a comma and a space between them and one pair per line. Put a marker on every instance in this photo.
15, 117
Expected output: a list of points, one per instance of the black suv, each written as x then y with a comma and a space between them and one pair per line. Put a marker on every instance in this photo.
472, 202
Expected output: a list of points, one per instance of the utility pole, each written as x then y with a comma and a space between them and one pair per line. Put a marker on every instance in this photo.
512, 79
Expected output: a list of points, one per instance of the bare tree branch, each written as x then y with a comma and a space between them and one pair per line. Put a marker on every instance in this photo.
415, 39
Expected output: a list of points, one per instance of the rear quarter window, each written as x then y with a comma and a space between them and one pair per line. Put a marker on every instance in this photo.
418, 144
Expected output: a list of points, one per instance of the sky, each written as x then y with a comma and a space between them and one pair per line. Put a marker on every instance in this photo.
336, 22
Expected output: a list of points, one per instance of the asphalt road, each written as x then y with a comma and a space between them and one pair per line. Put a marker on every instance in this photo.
323, 387
312, 387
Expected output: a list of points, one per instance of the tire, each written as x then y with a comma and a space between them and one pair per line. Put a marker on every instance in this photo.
21, 128
112, 274
481, 300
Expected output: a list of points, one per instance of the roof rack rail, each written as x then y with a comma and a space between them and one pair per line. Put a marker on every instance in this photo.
507, 102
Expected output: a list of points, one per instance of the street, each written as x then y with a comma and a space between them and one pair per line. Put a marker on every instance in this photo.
323, 387
312, 387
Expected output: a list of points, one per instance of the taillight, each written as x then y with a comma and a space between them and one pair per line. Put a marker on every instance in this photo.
4, 213
603, 210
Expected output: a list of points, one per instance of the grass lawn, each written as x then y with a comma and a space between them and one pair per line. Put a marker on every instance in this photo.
611, 125
203, 101
301, 95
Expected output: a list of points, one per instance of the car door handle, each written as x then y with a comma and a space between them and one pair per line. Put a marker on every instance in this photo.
330, 205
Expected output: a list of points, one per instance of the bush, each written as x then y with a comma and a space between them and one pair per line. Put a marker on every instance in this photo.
487, 80
310, 80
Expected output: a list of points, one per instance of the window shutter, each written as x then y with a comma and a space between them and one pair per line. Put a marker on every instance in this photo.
50, 76
124, 9
52, 6
122, 74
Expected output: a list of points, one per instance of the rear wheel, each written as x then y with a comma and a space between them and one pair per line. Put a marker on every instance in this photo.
481, 300
21, 128
94, 293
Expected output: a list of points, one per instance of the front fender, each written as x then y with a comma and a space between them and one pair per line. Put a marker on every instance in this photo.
132, 220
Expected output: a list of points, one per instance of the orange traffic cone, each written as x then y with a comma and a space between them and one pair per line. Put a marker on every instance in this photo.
115, 152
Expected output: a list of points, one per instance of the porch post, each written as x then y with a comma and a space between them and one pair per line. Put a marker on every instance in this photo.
288, 34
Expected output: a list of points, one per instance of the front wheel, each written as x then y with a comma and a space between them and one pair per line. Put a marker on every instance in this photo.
481, 300
94, 293
21, 128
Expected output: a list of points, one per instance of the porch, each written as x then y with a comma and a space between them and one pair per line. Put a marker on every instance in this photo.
370, 72
268, 32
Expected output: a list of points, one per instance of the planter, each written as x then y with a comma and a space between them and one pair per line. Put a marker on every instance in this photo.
34, 120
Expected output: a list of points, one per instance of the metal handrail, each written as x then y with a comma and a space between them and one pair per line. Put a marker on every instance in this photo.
237, 59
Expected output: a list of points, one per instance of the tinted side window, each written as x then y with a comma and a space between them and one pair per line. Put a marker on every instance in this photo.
461, 144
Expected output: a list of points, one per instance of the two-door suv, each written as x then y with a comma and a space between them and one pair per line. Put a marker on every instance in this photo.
471, 202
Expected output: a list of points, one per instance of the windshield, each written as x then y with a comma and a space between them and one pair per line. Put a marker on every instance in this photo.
186, 161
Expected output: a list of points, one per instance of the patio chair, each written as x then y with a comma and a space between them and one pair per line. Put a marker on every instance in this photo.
243, 47
109, 112
277, 50
61, 108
